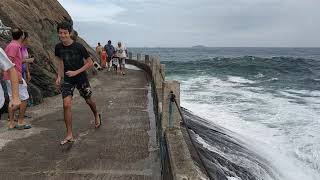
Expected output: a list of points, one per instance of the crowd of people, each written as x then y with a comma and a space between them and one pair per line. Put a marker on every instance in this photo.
112, 58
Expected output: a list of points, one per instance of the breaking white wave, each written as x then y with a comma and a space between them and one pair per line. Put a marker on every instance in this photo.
282, 126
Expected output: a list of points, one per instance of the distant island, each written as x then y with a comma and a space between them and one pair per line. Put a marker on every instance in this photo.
198, 46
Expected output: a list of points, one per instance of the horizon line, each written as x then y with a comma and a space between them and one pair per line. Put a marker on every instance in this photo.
221, 46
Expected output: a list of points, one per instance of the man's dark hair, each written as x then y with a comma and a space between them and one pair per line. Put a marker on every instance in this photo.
109, 42
74, 35
64, 25
16, 34
99, 44
26, 35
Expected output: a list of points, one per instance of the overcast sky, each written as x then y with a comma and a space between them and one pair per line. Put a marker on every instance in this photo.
184, 23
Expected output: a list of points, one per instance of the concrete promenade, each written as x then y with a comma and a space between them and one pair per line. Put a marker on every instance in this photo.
123, 148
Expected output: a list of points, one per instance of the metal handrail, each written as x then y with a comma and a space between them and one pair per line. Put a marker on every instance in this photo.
173, 99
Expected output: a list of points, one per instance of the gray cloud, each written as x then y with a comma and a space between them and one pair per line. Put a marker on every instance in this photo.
207, 22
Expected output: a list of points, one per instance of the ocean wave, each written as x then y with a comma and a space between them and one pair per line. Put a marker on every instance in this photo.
282, 72
259, 75
240, 80
257, 66
227, 156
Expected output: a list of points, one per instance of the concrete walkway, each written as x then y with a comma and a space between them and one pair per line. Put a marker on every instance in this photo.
123, 148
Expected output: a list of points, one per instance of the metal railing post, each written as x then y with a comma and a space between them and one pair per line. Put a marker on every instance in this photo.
171, 101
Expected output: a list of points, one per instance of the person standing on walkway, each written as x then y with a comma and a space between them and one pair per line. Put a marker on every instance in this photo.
103, 59
73, 60
7, 65
26, 75
13, 51
99, 49
121, 54
26, 59
110, 52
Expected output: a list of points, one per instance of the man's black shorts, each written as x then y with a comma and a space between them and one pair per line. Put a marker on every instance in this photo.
82, 86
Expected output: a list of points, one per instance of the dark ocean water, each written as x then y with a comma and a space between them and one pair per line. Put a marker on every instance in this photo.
254, 111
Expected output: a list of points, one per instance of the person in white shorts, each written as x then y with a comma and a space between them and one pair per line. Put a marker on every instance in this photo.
23, 90
13, 51
7, 65
121, 53
115, 64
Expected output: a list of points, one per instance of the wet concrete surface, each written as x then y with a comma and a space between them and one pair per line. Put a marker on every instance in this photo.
124, 147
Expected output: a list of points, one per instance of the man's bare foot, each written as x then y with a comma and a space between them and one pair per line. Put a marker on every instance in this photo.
98, 121
11, 126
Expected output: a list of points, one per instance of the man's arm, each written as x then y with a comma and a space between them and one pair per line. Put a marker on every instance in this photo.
18, 74
7, 65
28, 60
28, 72
14, 78
60, 71
88, 63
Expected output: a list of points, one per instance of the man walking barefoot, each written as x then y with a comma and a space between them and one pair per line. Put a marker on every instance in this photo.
73, 60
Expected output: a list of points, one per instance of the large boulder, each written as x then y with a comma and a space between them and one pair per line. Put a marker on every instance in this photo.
39, 18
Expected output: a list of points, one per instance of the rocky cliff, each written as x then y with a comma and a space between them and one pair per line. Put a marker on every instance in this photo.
39, 18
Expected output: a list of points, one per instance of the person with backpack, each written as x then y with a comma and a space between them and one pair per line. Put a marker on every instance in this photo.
110, 53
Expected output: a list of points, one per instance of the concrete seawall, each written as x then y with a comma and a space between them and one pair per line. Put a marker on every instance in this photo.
177, 163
